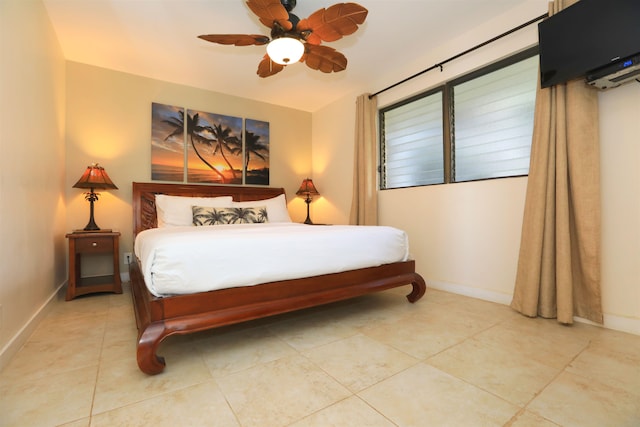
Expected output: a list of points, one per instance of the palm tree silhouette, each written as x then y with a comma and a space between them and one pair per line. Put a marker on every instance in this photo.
208, 216
253, 145
247, 215
213, 216
193, 129
177, 123
225, 141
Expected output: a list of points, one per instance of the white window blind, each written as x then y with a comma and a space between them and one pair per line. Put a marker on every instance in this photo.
493, 122
413, 143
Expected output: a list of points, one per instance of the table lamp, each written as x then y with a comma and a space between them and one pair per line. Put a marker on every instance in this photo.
94, 177
307, 190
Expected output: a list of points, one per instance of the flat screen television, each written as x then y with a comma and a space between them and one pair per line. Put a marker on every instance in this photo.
586, 36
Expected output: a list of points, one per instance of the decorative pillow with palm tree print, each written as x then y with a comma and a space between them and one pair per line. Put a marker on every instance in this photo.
203, 215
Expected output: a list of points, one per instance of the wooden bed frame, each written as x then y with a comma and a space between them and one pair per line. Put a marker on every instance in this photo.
158, 318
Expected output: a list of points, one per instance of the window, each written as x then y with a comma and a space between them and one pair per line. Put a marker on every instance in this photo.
413, 150
485, 132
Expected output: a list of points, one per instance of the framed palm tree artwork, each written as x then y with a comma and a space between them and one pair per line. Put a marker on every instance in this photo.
214, 148
167, 143
256, 152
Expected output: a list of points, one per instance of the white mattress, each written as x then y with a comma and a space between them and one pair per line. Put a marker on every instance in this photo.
184, 260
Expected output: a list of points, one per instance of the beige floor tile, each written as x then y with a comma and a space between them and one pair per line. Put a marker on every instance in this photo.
121, 314
198, 405
529, 419
71, 326
542, 340
121, 299
89, 305
120, 382
351, 412
280, 392
78, 335
308, 331
497, 369
610, 366
121, 334
51, 351
85, 422
288, 368
424, 394
617, 341
576, 401
383, 307
238, 350
358, 362
423, 334
49, 400
119, 344
612, 358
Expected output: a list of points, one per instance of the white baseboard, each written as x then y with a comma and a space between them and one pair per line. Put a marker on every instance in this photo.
624, 324
20, 338
470, 291
617, 323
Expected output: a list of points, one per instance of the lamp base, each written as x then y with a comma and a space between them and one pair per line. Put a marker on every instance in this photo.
308, 220
91, 225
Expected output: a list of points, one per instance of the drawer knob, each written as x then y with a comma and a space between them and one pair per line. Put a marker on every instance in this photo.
94, 244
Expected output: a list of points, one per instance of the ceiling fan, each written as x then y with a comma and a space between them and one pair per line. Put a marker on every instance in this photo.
294, 39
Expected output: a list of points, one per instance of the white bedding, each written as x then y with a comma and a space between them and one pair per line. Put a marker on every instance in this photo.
183, 260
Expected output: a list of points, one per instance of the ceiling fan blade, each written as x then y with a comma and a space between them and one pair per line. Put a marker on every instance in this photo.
333, 23
236, 39
324, 58
270, 11
268, 68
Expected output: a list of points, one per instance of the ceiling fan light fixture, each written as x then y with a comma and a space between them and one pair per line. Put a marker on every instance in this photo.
285, 50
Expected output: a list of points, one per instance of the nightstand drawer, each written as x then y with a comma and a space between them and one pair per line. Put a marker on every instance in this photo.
88, 244
94, 245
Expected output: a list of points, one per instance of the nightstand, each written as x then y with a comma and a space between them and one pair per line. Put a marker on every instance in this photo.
83, 244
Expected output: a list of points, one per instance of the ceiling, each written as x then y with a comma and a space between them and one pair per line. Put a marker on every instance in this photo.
158, 39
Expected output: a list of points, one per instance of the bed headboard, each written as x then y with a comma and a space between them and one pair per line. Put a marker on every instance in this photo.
144, 201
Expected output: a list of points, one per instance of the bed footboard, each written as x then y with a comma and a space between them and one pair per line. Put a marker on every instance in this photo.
158, 318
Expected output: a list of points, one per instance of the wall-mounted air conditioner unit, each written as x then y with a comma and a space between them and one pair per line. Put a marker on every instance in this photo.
618, 72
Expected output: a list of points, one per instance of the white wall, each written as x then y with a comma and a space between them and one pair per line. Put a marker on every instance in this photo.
620, 174
465, 237
32, 209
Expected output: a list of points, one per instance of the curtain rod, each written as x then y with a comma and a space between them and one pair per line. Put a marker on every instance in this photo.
440, 64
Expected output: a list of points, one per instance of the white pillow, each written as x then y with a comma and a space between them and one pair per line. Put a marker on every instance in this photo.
276, 207
173, 211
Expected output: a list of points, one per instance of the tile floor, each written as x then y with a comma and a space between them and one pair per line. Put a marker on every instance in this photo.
447, 360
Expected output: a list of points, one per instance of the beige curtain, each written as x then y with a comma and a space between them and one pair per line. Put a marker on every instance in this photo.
364, 205
559, 263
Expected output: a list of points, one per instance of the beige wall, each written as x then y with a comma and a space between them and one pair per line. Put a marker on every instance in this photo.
109, 122
32, 207
465, 237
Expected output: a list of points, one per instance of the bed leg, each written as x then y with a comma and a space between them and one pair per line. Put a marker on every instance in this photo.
148, 361
419, 288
